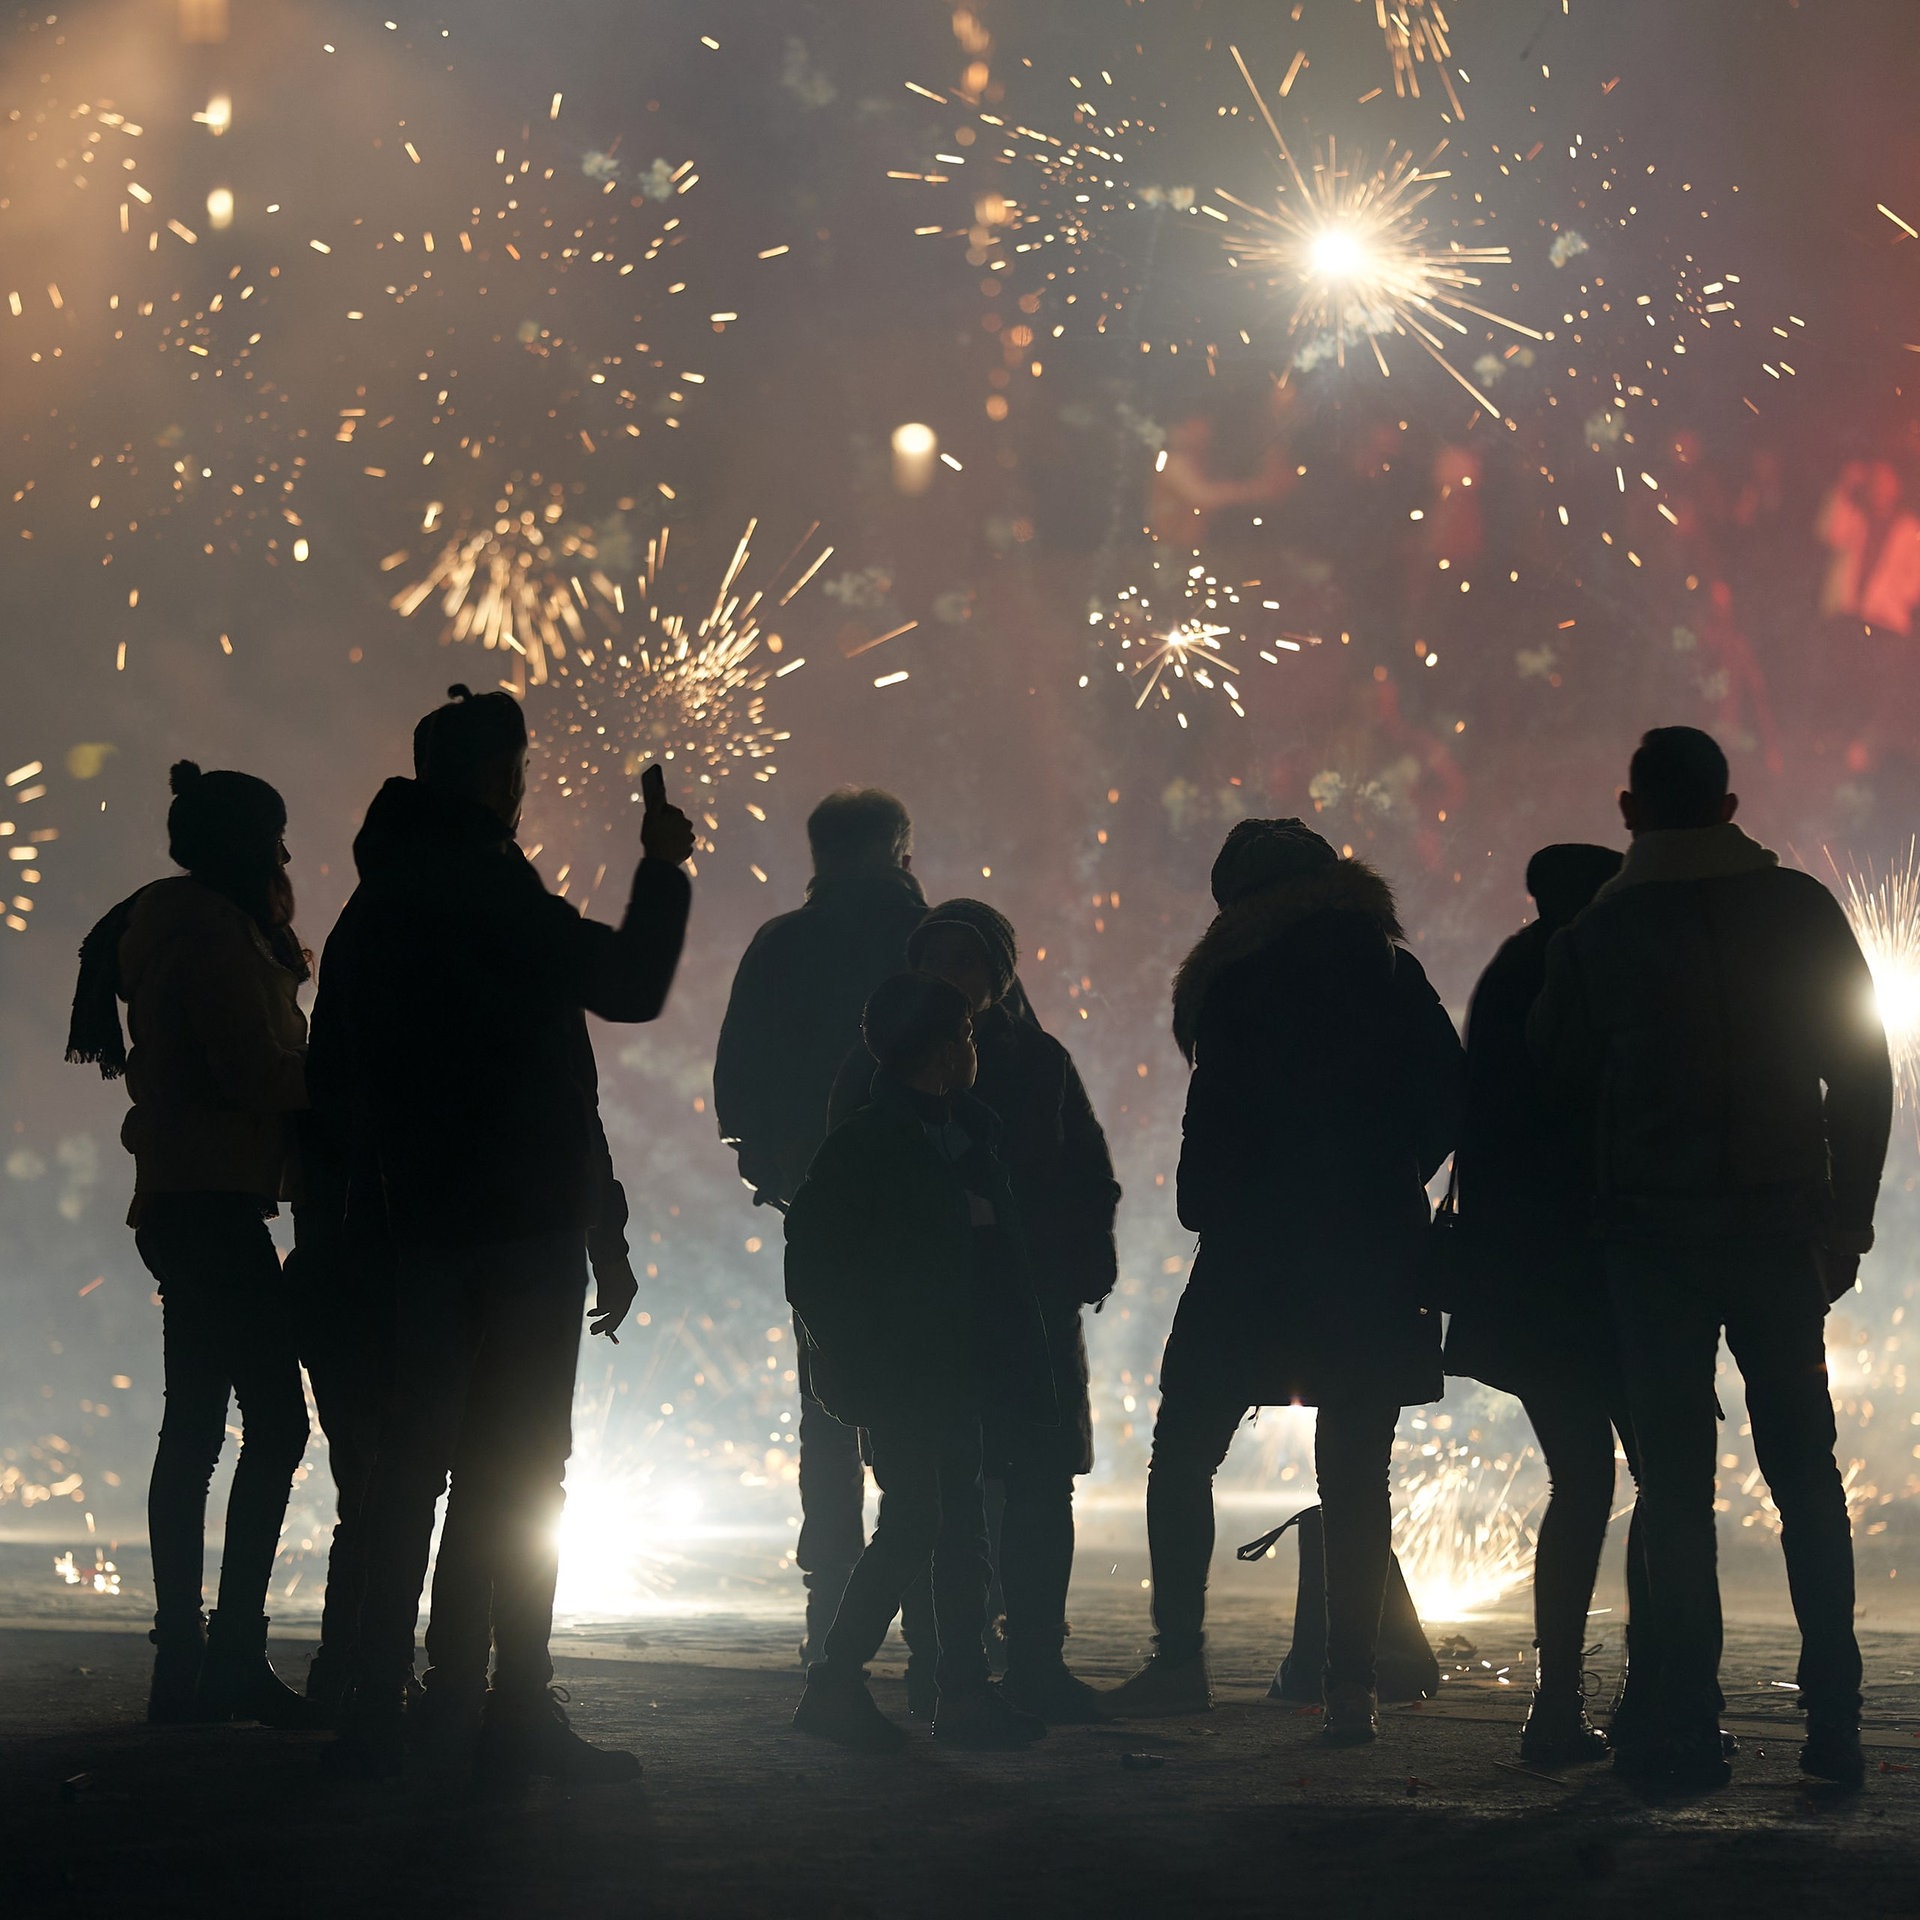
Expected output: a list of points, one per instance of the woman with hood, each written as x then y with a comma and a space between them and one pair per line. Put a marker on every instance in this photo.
1532, 1317
210, 968
1324, 1096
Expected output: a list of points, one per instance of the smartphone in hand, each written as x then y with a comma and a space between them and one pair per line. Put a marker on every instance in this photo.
653, 787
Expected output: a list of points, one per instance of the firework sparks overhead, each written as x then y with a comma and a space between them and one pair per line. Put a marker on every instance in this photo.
1173, 631
24, 839
526, 356
1884, 913
1417, 35
1353, 249
689, 688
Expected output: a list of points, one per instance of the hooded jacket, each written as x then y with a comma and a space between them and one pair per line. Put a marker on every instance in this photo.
794, 1015
217, 1063
450, 1038
1325, 1094
1719, 1011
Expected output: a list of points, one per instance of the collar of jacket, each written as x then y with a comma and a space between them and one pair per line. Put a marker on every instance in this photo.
406, 814
1689, 853
1243, 929
839, 890
978, 1120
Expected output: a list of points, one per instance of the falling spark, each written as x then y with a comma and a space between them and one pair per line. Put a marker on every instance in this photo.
1170, 632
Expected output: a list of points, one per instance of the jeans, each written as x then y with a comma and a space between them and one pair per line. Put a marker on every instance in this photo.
1352, 1457
459, 1636
1575, 1427
486, 1342
1670, 1303
932, 1510
228, 1330
344, 1306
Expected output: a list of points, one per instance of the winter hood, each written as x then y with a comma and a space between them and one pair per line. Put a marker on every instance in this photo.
1258, 921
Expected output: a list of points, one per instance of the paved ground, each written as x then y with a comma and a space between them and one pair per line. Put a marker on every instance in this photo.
738, 1816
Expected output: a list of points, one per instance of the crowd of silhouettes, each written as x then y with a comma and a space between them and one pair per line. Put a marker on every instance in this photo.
1668, 1122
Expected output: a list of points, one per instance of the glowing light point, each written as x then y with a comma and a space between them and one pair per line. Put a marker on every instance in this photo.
1335, 253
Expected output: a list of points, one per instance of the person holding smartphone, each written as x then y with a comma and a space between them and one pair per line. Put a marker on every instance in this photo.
452, 1035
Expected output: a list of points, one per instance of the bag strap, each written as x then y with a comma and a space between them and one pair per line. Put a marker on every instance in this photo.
1258, 1549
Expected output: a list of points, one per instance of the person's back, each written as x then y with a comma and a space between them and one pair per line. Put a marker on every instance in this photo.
794, 1012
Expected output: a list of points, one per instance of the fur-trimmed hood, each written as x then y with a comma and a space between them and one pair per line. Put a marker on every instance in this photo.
1239, 931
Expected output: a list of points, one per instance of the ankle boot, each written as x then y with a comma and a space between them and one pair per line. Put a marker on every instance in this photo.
1558, 1732
238, 1682
180, 1650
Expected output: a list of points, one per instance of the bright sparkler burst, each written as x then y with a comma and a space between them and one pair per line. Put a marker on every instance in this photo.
1885, 916
1465, 1543
1352, 248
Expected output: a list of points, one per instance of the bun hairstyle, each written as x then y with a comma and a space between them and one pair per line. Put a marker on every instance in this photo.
183, 775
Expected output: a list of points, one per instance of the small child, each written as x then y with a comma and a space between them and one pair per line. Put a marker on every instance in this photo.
906, 1268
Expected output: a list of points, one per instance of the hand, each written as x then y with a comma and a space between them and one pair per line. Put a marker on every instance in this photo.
614, 1292
1838, 1271
666, 834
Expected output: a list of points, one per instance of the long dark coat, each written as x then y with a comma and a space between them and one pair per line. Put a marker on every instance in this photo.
1532, 1308
1062, 1179
794, 1013
902, 1315
1325, 1095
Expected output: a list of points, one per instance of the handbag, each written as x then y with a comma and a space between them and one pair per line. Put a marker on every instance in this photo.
1443, 1279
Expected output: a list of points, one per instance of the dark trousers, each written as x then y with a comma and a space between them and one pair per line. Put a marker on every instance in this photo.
487, 1335
932, 1512
343, 1302
833, 1493
1575, 1422
228, 1331
1352, 1458
1670, 1304
459, 1636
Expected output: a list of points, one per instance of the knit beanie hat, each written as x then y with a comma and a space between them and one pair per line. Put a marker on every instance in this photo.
223, 823
1563, 879
991, 928
1260, 853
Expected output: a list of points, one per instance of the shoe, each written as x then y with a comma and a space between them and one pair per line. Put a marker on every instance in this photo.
372, 1744
983, 1720
529, 1738
237, 1680
1559, 1734
179, 1654
444, 1712
330, 1682
1351, 1716
844, 1712
1162, 1690
1054, 1694
1832, 1752
1690, 1763
923, 1691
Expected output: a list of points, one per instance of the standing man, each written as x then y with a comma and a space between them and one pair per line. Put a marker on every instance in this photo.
456, 990
1719, 1010
793, 1018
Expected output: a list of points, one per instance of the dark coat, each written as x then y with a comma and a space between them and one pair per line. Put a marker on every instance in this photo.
1325, 1095
450, 1037
1532, 1308
794, 1013
1062, 1178
1718, 1010
902, 1317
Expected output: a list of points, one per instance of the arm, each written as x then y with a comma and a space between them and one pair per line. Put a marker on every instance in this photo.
1219, 1160
1092, 1194
852, 1087
1562, 1033
749, 1042
227, 994
829, 1227
615, 1288
1436, 1063
620, 973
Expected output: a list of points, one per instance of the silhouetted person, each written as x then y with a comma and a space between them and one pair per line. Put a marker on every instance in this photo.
1532, 1318
1718, 1008
210, 968
454, 990
1062, 1178
793, 1017
1325, 1094
906, 1267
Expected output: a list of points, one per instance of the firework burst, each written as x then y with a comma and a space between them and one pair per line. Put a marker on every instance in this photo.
1885, 916
1352, 247
1464, 1538
1417, 34
25, 841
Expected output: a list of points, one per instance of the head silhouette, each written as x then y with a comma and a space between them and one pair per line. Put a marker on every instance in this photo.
920, 1030
475, 748
1678, 780
859, 830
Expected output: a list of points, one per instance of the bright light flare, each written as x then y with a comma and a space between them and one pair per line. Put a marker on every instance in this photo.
1885, 916
1336, 254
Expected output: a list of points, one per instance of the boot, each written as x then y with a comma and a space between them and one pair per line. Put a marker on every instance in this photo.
1163, 1689
521, 1739
237, 1681
1832, 1749
373, 1737
984, 1720
839, 1708
1558, 1732
179, 1653
444, 1714
923, 1690
1049, 1690
1350, 1720
330, 1682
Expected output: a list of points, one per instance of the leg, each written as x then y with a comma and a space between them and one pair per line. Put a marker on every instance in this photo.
1352, 1460
1775, 1333
906, 1463
1190, 1439
535, 1301
962, 1566
1036, 1550
459, 1637
833, 1493
1576, 1440
1668, 1320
